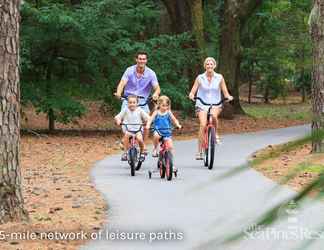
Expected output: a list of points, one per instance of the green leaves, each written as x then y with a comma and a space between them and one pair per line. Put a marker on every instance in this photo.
276, 43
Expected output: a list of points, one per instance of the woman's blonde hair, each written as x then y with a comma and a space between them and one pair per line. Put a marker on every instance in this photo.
210, 59
164, 99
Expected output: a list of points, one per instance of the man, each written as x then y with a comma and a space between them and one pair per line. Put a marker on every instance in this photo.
139, 80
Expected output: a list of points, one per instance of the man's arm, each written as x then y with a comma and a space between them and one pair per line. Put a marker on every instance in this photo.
122, 83
156, 91
120, 88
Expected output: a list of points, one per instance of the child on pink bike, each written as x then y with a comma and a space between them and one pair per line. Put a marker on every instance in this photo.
134, 116
162, 120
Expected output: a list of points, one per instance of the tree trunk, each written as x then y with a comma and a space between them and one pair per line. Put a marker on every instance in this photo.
250, 89
11, 200
187, 16
180, 15
49, 94
235, 15
266, 94
317, 33
197, 20
303, 90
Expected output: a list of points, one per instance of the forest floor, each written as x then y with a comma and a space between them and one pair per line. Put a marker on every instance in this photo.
290, 164
57, 188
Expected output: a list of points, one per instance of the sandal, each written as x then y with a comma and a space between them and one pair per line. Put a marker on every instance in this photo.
199, 156
217, 139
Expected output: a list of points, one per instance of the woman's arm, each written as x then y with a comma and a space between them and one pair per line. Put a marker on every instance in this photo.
175, 120
150, 120
194, 89
224, 90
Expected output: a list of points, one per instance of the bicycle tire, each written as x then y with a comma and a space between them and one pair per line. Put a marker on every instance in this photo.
161, 167
138, 166
206, 162
211, 146
132, 159
169, 165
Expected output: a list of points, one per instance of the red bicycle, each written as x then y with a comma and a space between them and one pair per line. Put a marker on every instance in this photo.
165, 159
209, 134
133, 153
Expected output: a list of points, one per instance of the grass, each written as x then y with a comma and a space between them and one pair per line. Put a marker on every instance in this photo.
311, 168
279, 150
289, 111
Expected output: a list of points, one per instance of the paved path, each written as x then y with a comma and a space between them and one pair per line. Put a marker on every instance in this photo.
197, 207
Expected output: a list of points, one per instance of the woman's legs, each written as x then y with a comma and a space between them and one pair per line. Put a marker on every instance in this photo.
215, 113
202, 115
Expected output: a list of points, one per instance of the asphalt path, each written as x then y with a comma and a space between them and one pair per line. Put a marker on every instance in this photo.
200, 208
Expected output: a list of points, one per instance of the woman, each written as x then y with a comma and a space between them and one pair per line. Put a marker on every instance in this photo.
208, 86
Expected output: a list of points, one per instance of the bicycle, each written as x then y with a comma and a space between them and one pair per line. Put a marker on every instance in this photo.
124, 97
165, 159
133, 153
209, 134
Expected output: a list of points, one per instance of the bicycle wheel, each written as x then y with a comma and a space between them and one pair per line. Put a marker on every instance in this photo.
132, 159
161, 166
169, 165
206, 155
206, 150
139, 164
211, 147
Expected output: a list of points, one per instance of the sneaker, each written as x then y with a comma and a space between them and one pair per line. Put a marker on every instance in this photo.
142, 157
124, 157
199, 156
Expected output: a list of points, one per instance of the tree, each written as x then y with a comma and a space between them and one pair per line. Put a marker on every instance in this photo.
235, 15
187, 15
11, 200
316, 22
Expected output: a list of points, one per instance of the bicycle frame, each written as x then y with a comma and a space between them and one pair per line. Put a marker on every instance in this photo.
133, 139
209, 119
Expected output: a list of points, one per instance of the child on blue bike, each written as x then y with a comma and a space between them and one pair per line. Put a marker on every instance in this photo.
162, 120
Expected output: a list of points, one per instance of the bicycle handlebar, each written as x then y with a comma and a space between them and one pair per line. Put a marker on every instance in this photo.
133, 124
211, 104
124, 97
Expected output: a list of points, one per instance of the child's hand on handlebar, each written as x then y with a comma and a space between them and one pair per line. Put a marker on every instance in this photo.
179, 126
118, 122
